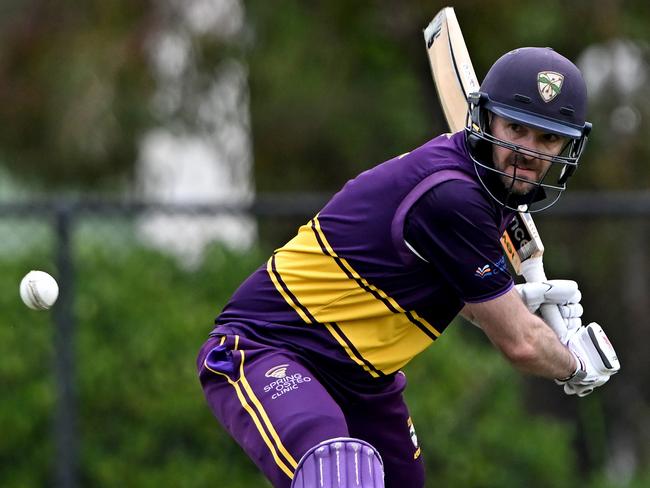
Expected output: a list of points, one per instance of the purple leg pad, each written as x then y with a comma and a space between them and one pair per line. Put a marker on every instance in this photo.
342, 462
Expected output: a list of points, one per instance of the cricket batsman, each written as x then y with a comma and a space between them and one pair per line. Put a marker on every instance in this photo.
303, 366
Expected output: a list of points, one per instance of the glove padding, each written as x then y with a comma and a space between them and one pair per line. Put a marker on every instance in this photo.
563, 293
572, 315
596, 359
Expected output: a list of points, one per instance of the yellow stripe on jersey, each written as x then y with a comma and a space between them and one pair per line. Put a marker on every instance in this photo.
374, 330
351, 352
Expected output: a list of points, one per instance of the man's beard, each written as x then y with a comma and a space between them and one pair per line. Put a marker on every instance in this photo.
518, 187
517, 184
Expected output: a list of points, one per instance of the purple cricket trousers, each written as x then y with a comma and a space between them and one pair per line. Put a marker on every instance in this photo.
276, 408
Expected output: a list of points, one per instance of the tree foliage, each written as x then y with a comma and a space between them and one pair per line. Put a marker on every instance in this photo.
335, 86
73, 85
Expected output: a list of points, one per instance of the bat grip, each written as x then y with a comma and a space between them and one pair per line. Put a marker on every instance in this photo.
533, 271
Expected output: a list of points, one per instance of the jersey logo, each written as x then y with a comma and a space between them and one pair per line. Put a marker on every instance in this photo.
483, 271
491, 269
279, 371
283, 383
549, 84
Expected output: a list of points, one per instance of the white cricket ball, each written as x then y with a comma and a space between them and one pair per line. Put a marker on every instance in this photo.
39, 290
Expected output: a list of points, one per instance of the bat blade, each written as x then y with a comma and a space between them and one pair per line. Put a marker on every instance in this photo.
451, 66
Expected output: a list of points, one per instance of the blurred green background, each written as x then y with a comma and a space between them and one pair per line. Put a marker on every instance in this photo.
317, 92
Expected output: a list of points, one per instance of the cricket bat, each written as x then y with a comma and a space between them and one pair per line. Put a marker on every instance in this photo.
455, 79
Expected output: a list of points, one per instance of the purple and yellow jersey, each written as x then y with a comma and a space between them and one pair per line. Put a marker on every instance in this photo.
384, 267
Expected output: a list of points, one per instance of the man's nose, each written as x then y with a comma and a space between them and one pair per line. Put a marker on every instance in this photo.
530, 148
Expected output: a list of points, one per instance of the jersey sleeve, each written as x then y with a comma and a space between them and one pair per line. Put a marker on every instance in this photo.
456, 230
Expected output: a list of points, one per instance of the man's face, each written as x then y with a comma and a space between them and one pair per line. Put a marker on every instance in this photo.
523, 165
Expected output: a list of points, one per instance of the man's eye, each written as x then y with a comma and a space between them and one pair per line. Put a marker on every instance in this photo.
551, 138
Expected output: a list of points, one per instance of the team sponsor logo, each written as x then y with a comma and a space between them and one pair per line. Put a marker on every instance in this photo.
414, 438
483, 271
500, 265
279, 371
491, 269
285, 381
549, 84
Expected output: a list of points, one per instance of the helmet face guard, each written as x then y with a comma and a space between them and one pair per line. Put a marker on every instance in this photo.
548, 189
540, 89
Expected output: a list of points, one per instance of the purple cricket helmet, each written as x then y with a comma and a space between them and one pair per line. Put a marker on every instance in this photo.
539, 88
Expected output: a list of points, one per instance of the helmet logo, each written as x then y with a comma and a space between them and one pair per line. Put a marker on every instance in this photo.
549, 84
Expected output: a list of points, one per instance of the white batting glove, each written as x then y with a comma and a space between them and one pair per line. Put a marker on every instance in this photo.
563, 293
572, 315
596, 359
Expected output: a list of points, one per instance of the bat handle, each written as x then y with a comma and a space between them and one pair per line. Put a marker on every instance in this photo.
533, 270
552, 316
